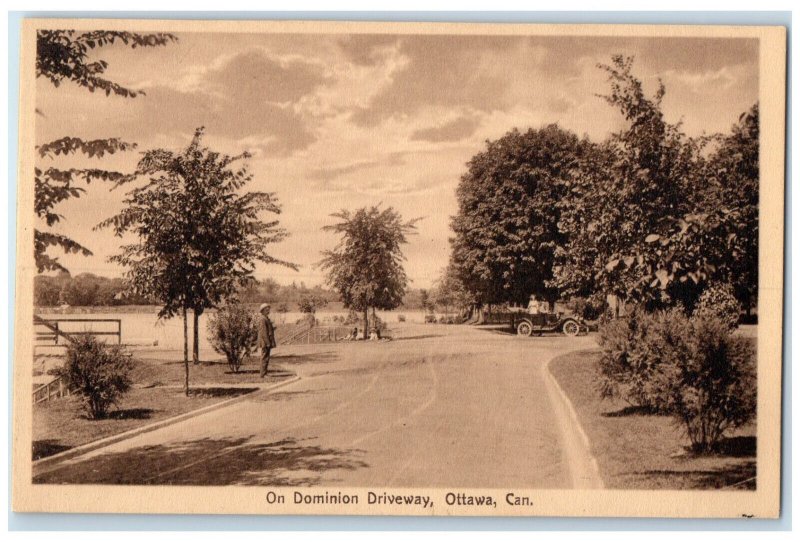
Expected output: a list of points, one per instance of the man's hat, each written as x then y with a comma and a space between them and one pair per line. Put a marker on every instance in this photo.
262, 307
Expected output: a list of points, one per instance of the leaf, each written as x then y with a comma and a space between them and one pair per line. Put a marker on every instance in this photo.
652, 238
663, 277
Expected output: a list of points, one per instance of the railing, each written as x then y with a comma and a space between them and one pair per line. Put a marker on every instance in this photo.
324, 334
57, 387
54, 388
55, 330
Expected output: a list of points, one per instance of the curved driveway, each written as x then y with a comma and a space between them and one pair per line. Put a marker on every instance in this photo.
440, 406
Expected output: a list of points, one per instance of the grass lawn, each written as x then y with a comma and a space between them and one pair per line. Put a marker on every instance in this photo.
61, 424
642, 451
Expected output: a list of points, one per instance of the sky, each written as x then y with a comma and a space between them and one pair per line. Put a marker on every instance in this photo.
343, 121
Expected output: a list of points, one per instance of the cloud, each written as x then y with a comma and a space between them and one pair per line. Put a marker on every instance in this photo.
334, 172
455, 130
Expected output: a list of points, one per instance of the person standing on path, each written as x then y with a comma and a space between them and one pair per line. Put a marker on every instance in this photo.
266, 337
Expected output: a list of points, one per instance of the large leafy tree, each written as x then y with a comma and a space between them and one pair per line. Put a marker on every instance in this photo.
199, 234
506, 229
366, 267
67, 55
735, 166
647, 219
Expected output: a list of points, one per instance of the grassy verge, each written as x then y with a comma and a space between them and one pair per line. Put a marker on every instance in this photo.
61, 424
644, 451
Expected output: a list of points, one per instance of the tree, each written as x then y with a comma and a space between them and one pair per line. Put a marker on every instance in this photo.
199, 237
366, 267
645, 220
63, 55
309, 305
425, 300
736, 167
506, 229
451, 292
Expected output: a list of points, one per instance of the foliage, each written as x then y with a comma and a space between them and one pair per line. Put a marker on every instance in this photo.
366, 267
647, 219
425, 301
506, 229
310, 303
719, 301
450, 292
64, 55
84, 289
693, 369
735, 166
589, 308
199, 236
232, 332
714, 387
636, 351
99, 373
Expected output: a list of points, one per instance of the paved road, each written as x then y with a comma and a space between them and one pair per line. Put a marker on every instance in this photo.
440, 406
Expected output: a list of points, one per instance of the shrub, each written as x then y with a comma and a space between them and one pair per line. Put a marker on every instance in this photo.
636, 352
589, 308
715, 385
232, 332
401, 317
693, 369
718, 300
99, 373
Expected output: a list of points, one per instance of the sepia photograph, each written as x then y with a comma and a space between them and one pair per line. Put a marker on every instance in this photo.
399, 269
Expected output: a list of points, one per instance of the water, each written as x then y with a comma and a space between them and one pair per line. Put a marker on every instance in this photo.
146, 329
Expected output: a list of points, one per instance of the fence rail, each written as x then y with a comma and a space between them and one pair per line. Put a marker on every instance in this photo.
50, 338
53, 389
54, 329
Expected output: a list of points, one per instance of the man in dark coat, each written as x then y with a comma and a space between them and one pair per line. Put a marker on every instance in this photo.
266, 337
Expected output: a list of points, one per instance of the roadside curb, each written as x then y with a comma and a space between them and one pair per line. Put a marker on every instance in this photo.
598, 482
47, 464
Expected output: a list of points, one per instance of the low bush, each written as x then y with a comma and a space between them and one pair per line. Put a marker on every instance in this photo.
401, 317
637, 351
714, 387
232, 332
719, 301
588, 308
691, 368
98, 372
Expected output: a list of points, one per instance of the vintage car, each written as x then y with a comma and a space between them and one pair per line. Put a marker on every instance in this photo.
536, 324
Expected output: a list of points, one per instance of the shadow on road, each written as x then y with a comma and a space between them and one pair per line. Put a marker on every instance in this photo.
280, 396
417, 337
315, 357
210, 462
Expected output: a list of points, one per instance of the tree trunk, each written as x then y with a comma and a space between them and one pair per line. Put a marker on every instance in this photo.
185, 352
366, 323
196, 339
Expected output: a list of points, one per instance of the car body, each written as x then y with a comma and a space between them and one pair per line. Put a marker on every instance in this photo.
536, 324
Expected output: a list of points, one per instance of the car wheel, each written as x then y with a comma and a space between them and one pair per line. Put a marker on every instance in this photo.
524, 329
571, 328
